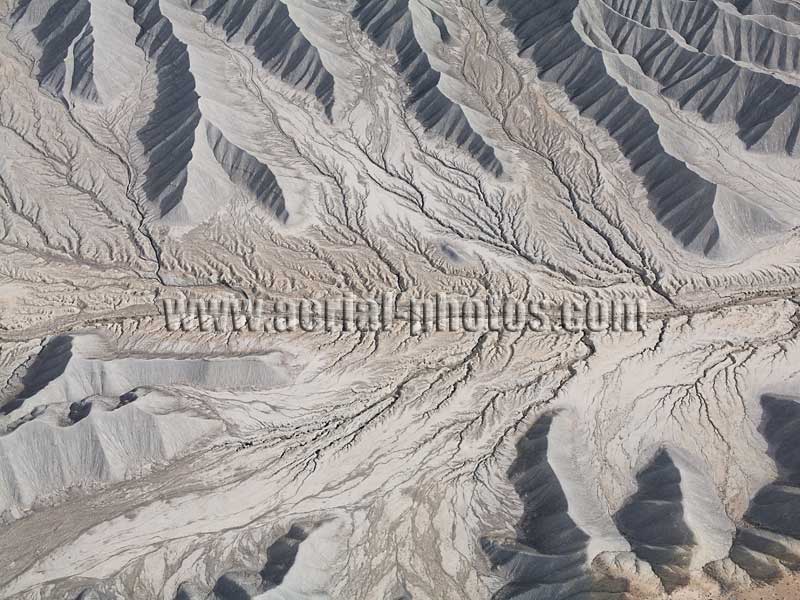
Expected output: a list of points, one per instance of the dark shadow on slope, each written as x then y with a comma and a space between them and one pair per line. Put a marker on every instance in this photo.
710, 29
682, 201
236, 586
769, 538
169, 133
765, 109
444, 34
46, 366
64, 22
389, 25
247, 171
83, 67
653, 523
548, 558
281, 556
79, 411
773, 8
278, 43
246, 585
187, 591
93, 594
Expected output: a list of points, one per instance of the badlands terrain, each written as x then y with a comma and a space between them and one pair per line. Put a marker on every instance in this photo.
157, 154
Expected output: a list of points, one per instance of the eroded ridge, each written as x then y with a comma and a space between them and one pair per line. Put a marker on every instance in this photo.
82, 417
168, 134
83, 84
765, 109
390, 26
90, 594
246, 585
71, 368
707, 27
767, 543
548, 558
63, 35
247, 171
653, 522
277, 41
781, 9
682, 200
39, 371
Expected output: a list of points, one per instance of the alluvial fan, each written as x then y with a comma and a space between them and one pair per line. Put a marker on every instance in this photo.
399, 299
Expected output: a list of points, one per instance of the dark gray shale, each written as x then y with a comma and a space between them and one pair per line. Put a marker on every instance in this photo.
248, 172
65, 22
169, 133
681, 200
548, 557
388, 23
768, 540
278, 43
